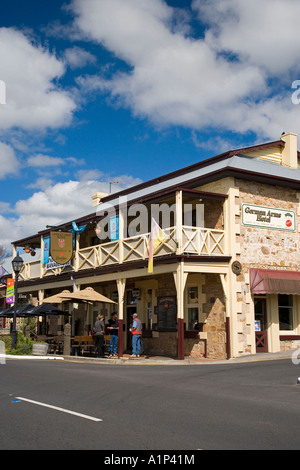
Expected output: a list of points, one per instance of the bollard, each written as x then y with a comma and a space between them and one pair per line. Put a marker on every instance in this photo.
2, 352
67, 339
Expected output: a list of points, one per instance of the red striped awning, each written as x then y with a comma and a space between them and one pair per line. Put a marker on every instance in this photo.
269, 281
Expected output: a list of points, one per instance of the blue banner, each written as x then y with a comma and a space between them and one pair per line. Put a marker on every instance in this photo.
114, 228
46, 250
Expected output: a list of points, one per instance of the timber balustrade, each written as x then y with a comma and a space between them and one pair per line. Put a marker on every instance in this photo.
192, 240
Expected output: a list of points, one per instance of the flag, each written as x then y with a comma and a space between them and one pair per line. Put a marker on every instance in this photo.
76, 231
156, 238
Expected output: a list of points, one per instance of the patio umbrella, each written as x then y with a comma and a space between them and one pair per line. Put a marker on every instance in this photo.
57, 298
89, 295
45, 310
29, 310
21, 311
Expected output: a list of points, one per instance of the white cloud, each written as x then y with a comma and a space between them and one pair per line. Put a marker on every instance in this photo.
45, 161
222, 80
4, 207
55, 203
41, 183
33, 100
262, 32
76, 57
41, 160
9, 229
9, 164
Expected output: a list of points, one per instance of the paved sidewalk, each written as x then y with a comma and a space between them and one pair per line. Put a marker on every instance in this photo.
162, 360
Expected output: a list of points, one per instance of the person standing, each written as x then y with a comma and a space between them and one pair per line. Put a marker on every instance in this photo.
136, 331
99, 334
113, 330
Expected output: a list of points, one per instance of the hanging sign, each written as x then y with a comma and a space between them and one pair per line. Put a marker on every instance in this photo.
10, 292
271, 218
61, 247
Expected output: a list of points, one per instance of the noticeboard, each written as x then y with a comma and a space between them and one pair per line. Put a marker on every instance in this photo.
167, 313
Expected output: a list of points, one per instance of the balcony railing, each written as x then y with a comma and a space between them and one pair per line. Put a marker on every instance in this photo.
194, 240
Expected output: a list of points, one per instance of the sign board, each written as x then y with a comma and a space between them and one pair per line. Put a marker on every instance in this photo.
53, 264
61, 247
267, 217
257, 325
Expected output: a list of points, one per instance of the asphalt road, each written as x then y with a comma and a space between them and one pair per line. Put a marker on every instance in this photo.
210, 407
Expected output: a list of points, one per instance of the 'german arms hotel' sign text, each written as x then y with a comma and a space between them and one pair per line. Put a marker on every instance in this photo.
259, 216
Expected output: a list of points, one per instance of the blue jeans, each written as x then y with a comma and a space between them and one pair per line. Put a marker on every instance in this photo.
136, 344
113, 345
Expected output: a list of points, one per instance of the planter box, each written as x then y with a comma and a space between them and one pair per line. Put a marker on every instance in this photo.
39, 349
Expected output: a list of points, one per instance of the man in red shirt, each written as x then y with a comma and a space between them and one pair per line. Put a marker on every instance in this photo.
136, 331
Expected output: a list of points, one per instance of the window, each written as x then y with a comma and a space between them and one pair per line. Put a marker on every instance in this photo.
192, 295
131, 300
192, 308
285, 310
193, 318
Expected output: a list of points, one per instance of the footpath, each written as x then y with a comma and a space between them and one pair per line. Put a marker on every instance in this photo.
169, 361
145, 360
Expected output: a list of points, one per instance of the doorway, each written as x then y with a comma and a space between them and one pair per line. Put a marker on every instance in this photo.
261, 326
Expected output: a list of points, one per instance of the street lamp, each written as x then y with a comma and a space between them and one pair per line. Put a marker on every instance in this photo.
17, 264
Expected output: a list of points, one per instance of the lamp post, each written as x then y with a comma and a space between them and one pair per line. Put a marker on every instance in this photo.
17, 264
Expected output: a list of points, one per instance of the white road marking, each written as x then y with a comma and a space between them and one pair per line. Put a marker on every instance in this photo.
63, 410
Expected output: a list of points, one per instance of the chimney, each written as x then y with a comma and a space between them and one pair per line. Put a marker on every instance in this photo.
290, 152
97, 198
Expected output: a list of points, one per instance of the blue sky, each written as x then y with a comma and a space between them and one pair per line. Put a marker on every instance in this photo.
127, 90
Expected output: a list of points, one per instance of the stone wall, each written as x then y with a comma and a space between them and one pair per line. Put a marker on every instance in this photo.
268, 248
215, 325
263, 248
194, 347
286, 345
161, 344
212, 313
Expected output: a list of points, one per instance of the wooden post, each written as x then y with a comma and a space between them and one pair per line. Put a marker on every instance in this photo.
180, 278
224, 281
178, 231
121, 284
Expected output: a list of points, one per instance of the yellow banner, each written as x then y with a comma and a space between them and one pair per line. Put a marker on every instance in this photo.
156, 238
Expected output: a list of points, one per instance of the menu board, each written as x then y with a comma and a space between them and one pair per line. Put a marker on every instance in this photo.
167, 313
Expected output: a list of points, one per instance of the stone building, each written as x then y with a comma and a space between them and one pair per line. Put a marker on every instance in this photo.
226, 279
